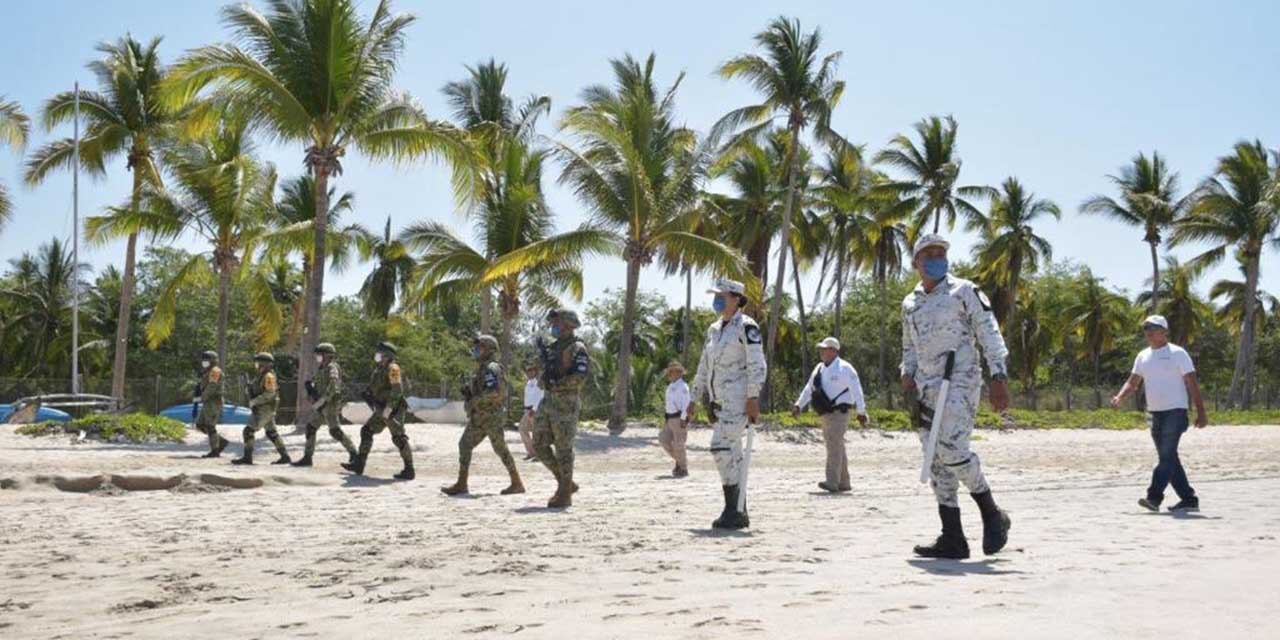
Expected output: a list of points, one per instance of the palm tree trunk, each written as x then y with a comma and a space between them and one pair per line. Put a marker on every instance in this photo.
839, 309
775, 308
618, 415
486, 310
224, 289
1241, 394
1097, 380
822, 279
300, 307
804, 319
315, 294
509, 311
126, 298
686, 327
884, 342
1155, 278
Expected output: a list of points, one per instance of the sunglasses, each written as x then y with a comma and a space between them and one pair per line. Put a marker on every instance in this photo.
1151, 327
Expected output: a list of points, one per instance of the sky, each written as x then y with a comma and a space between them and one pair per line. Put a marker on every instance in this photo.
1057, 94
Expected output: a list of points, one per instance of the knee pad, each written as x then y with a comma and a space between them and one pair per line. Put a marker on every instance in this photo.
400, 440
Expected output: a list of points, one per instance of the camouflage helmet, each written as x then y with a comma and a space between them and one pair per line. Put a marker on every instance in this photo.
326, 348
209, 355
486, 340
568, 316
264, 357
387, 347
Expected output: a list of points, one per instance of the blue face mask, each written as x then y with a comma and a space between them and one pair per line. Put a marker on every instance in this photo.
935, 268
718, 304
555, 331
475, 352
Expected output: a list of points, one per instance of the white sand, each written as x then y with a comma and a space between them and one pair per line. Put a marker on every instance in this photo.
314, 553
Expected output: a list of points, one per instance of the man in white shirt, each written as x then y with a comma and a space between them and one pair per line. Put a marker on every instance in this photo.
675, 429
532, 398
1168, 376
833, 388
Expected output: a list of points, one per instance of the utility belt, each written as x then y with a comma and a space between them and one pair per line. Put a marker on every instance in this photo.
840, 408
674, 415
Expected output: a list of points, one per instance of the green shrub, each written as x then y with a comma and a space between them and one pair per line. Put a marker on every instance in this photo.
133, 427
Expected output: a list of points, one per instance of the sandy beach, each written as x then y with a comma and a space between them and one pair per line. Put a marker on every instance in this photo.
314, 553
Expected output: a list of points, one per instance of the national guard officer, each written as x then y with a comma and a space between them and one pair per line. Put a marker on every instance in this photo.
208, 395
565, 365
731, 373
263, 400
486, 395
386, 397
946, 314
326, 402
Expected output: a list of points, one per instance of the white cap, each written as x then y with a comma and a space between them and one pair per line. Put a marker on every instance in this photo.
1156, 320
929, 240
829, 343
728, 286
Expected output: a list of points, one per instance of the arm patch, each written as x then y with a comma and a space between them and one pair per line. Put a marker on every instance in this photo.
215, 375
752, 333
581, 361
393, 373
490, 380
269, 382
982, 299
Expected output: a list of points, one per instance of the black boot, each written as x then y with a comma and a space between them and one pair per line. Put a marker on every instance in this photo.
995, 523
356, 465
304, 461
245, 458
729, 517
221, 443
405, 474
283, 459
951, 544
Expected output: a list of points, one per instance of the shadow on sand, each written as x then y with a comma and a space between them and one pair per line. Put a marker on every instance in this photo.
720, 533
939, 567
352, 481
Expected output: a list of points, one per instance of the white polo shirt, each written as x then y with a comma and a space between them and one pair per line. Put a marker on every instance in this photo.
677, 400
532, 394
1162, 372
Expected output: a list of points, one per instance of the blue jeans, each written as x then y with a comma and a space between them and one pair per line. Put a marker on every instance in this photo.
1166, 430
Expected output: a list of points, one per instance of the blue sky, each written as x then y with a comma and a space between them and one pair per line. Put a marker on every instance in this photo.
1057, 94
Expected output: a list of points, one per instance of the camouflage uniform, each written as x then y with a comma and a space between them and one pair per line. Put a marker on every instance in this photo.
263, 402
325, 410
386, 393
210, 398
555, 426
486, 418
732, 368
955, 316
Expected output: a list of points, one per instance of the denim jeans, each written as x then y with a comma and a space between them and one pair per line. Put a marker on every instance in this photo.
1166, 430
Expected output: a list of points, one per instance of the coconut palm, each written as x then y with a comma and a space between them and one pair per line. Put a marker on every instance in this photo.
1099, 316
1232, 310
124, 117
36, 336
750, 217
316, 72
1148, 199
390, 276
14, 128
1030, 343
1235, 210
220, 193
880, 245
845, 194
641, 175
1009, 246
932, 169
797, 84
1185, 310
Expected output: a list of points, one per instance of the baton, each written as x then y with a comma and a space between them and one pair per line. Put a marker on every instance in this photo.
939, 408
746, 466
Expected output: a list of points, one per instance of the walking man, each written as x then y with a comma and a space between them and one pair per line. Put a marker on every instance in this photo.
208, 395
486, 395
833, 389
385, 396
532, 398
949, 315
326, 401
731, 372
565, 365
676, 428
263, 400
1167, 375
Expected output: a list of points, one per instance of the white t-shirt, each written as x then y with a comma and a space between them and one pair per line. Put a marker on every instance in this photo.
678, 398
1162, 372
532, 394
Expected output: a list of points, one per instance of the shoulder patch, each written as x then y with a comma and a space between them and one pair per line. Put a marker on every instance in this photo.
490, 379
334, 372
269, 382
581, 361
393, 373
982, 299
752, 332
215, 374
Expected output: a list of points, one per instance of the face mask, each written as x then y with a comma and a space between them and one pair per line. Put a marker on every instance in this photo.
204, 364
935, 268
377, 357
555, 331
475, 352
718, 303
319, 359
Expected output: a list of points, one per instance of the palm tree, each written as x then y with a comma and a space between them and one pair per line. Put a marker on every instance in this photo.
799, 85
1008, 245
1185, 310
38, 334
1099, 316
125, 117
14, 128
223, 195
1233, 307
315, 72
1030, 341
389, 278
640, 174
845, 194
1148, 200
1236, 209
932, 168
750, 217
880, 246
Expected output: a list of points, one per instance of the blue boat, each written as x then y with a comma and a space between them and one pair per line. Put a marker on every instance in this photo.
44, 413
231, 414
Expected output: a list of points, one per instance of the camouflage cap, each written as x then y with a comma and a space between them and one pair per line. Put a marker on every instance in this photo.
209, 355
728, 286
264, 357
327, 347
486, 340
929, 240
568, 316
387, 347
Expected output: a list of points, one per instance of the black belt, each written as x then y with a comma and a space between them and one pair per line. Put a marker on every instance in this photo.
674, 415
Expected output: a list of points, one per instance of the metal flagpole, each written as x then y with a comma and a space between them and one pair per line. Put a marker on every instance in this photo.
75, 253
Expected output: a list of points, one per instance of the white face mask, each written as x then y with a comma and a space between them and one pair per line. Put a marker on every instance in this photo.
319, 359
377, 357
204, 364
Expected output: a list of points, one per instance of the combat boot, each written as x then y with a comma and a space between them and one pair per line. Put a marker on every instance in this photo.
459, 487
283, 459
245, 458
995, 523
564, 495
406, 473
217, 448
356, 465
951, 544
729, 516
304, 461
516, 485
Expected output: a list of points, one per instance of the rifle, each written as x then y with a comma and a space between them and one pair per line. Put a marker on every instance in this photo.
312, 392
195, 401
550, 361
248, 391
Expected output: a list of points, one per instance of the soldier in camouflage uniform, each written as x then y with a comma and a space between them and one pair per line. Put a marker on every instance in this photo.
386, 397
731, 372
208, 395
263, 401
948, 314
486, 395
565, 364
326, 401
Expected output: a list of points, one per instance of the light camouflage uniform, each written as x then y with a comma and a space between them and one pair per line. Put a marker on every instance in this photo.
387, 388
211, 406
326, 409
486, 414
264, 399
732, 368
954, 316
555, 425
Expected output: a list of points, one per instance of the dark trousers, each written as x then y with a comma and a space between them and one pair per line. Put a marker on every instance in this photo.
1167, 428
